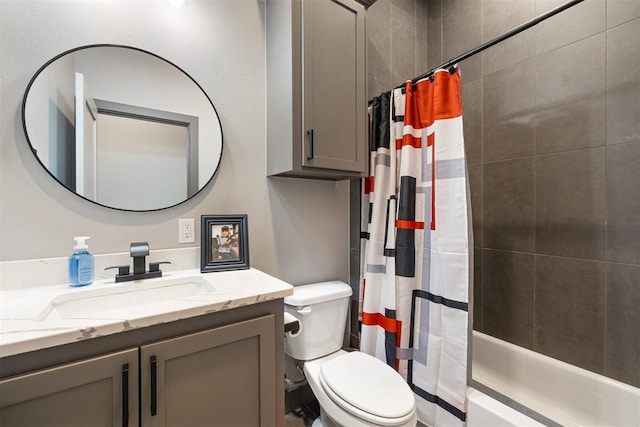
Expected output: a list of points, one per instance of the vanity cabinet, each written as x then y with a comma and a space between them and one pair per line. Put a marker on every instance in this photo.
218, 369
101, 391
219, 377
316, 89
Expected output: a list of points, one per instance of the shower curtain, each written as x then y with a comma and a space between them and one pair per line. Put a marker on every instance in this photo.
415, 235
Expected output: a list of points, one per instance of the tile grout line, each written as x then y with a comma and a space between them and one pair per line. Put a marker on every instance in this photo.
535, 199
606, 205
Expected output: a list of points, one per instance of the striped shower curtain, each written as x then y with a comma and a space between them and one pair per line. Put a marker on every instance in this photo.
416, 242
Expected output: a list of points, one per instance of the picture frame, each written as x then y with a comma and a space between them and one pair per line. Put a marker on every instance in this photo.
224, 243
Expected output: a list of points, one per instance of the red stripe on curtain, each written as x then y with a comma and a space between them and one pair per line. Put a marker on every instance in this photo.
408, 140
410, 225
368, 184
379, 319
393, 326
439, 99
418, 112
447, 101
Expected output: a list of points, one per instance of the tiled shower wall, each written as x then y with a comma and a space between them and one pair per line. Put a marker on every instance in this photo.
552, 130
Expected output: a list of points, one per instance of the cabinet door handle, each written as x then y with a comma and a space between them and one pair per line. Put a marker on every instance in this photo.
125, 395
154, 389
310, 137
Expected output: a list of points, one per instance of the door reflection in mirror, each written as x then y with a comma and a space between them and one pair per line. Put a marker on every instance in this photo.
122, 127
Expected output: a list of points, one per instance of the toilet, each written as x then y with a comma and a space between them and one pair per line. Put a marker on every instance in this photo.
353, 389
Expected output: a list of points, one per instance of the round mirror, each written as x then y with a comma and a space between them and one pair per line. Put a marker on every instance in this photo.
122, 127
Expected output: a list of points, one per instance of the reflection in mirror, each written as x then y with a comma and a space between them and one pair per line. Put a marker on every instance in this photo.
122, 127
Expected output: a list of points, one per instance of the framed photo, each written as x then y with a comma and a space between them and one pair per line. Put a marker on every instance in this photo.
224, 243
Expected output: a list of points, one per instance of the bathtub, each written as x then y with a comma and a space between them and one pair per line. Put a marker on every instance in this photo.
485, 411
554, 392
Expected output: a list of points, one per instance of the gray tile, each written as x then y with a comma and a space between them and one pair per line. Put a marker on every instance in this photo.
582, 20
570, 97
508, 113
379, 40
355, 196
507, 296
470, 69
354, 316
434, 8
376, 87
510, 52
621, 11
500, 16
570, 310
422, 12
623, 83
403, 29
507, 205
503, 16
570, 204
422, 48
623, 320
434, 51
475, 184
472, 120
354, 271
462, 20
354, 341
623, 203
477, 289
408, 6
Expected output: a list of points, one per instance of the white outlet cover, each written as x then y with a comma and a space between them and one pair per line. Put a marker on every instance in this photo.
186, 230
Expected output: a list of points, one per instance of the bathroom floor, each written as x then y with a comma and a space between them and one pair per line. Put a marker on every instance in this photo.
303, 416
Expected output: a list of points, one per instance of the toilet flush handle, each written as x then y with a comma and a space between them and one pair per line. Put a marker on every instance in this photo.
304, 310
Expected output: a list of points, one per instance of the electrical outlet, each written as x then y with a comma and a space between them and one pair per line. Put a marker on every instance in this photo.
186, 230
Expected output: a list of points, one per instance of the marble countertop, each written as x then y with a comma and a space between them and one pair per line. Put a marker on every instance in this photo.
41, 317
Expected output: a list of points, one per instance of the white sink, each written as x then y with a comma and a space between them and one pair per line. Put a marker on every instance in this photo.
122, 298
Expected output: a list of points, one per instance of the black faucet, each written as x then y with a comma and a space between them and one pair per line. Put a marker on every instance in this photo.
139, 252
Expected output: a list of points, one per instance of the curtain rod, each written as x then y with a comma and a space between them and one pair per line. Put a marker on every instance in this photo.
501, 38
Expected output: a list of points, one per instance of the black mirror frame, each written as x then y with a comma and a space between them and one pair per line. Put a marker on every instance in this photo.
34, 151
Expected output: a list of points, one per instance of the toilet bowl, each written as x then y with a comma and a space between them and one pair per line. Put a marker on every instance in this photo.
355, 389
352, 388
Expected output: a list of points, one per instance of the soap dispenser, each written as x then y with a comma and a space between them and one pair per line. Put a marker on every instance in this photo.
80, 264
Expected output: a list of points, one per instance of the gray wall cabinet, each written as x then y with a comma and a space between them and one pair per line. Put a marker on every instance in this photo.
316, 89
227, 373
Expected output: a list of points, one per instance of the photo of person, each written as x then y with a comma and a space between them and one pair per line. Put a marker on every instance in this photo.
224, 243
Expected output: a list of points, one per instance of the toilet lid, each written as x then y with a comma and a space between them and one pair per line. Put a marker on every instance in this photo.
366, 383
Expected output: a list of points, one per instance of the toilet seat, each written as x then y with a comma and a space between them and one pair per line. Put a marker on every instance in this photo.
367, 388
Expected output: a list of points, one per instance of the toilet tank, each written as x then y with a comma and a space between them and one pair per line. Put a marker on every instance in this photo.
321, 309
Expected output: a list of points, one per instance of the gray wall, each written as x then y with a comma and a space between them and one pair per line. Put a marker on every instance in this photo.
298, 229
552, 128
396, 42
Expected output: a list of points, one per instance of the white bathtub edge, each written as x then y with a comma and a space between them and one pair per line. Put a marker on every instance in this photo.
559, 391
485, 411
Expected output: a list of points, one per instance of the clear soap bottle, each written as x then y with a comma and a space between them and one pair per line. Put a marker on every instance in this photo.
80, 264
